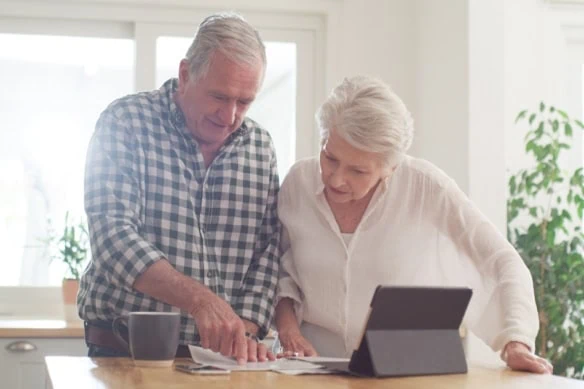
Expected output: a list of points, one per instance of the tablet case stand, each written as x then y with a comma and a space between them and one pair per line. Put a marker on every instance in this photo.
421, 352
420, 338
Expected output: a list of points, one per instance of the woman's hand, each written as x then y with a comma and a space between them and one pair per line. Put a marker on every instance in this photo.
294, 344
519, 357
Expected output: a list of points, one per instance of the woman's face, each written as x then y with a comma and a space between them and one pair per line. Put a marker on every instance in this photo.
348, 173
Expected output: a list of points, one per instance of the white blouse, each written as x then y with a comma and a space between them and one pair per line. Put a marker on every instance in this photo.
419, 229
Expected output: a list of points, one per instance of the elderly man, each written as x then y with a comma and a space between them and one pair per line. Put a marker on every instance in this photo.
180, 194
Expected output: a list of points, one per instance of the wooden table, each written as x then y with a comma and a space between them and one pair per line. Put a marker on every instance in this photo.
84, 372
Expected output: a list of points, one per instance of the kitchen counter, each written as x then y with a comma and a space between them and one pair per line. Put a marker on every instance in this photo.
36, 328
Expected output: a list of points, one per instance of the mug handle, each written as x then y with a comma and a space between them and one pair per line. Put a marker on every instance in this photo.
116, 330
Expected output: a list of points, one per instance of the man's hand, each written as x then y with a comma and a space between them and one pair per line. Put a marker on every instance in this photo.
220, 329
519, 357
256, 350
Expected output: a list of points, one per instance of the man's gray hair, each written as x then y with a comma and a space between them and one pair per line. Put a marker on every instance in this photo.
366, 113
229, 34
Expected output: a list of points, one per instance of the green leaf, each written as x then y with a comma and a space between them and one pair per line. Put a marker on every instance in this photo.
566, 215
563, 114
512, 185
532, 118
520, 115
539, 131
530, 146
567, 129
541, 106
579, 123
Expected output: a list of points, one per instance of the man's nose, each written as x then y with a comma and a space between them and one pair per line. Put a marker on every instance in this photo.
228, 112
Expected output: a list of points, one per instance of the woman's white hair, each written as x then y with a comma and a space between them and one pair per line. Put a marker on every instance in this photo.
366, 113
229, 34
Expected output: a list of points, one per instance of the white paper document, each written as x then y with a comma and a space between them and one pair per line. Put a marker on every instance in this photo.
315, 360
283, 365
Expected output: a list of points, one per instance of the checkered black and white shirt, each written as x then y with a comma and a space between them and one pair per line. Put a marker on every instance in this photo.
148, 196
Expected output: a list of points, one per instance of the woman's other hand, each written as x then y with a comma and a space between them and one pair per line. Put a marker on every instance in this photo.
519, 357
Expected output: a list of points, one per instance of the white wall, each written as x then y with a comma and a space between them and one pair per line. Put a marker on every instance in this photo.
377, 39
486, 156
458, 105
441, 86
541, 63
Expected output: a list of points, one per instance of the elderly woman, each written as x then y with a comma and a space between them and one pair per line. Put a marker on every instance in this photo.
364, 213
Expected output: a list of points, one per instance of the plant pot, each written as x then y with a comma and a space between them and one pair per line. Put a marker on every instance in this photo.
69, 289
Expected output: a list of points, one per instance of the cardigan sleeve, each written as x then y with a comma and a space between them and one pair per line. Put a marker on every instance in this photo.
495, 259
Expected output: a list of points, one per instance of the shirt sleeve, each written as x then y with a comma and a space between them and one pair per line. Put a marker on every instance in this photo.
495, 259
255, 301
113, 203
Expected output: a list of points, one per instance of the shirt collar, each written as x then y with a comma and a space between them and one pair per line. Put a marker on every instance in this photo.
177, 118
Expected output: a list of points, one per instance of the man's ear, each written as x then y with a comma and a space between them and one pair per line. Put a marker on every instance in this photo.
184, 74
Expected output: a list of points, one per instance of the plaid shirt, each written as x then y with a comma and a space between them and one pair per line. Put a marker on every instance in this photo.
148, 196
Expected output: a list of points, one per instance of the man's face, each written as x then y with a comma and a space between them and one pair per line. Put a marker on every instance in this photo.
214, 105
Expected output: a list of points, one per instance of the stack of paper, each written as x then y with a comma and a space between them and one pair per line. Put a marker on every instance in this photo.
307, 365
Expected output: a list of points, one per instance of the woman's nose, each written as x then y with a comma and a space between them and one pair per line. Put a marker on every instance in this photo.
337, 178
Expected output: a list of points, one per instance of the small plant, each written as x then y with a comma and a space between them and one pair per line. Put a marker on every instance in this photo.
71, 247
544, 216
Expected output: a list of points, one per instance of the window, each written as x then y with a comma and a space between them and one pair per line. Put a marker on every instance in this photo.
54, 88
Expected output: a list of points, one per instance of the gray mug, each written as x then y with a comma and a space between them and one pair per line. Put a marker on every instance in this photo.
153, 337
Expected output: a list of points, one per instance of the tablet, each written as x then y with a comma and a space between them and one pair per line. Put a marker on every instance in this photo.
410, 331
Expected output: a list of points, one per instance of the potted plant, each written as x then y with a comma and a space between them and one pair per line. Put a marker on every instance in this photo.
544, 223
70, 247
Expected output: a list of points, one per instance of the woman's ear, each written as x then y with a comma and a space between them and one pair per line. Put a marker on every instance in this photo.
388, 173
